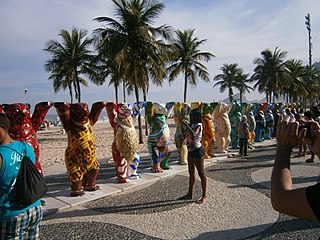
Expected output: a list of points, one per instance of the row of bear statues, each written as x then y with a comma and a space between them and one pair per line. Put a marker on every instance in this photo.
220, 122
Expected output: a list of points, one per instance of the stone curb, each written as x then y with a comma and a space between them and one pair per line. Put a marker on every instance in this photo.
59, 200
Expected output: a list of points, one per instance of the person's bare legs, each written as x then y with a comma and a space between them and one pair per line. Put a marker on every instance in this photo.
304, 150
201, 171
311, 159
191, 170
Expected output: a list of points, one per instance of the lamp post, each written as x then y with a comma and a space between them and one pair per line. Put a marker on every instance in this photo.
308, 26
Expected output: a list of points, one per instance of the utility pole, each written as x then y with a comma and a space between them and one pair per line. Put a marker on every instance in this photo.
308, 26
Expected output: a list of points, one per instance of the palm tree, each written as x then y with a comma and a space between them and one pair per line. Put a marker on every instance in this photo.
134, 39
109, 68
228, 78
186, 58
312, 81
270, 73
70, 58
63, 81
242, 83
296, 87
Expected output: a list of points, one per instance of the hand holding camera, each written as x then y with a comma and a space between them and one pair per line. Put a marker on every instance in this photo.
312, 139
288, 135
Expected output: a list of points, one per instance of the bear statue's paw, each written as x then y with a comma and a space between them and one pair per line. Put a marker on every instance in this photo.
181, 162
122, 180
164, 166
156, 168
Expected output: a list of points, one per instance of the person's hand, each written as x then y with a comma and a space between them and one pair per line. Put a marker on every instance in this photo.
314, 141
288, 135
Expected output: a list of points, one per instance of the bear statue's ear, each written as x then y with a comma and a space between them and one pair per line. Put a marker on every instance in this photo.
4, 107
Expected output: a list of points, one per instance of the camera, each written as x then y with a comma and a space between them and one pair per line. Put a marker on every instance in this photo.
309, 130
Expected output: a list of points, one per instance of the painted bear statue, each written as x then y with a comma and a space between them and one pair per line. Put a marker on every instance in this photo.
125, 145
208, 129
80, 156
181, 112
159, 137
222, 126
24, 127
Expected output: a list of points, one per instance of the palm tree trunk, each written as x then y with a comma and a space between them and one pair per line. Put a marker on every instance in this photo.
310, 102
240, 96
124, 90
75, 90
136, 90
273, 98
145, 119
185, 87
116, 92
230, 94
70, 91
305, 103
71, 95
78, 85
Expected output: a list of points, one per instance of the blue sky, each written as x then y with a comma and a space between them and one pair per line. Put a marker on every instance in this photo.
236, 32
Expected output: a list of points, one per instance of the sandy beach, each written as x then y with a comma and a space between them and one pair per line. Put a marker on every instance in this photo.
53, 144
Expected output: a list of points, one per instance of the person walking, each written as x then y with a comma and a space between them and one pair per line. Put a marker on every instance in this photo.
195, 154
15, 223
243, 134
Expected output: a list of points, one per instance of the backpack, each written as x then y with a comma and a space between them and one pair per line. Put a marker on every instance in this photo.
29, 185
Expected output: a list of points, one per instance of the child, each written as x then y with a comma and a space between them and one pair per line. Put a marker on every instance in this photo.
195, 154
243, 134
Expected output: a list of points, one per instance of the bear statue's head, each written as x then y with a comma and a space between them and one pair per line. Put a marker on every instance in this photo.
160, 109
18, 113
79, 112
207, 108
124, 110
221, 108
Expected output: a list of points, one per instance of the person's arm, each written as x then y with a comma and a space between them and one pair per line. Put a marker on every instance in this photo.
0, 161
284, 198
186, 123
197, 130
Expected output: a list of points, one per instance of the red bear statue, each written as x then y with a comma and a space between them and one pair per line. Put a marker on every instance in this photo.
24, 127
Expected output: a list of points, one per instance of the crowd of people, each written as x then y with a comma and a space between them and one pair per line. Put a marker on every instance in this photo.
291, 130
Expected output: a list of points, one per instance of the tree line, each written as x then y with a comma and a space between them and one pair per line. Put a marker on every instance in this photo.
131, 53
